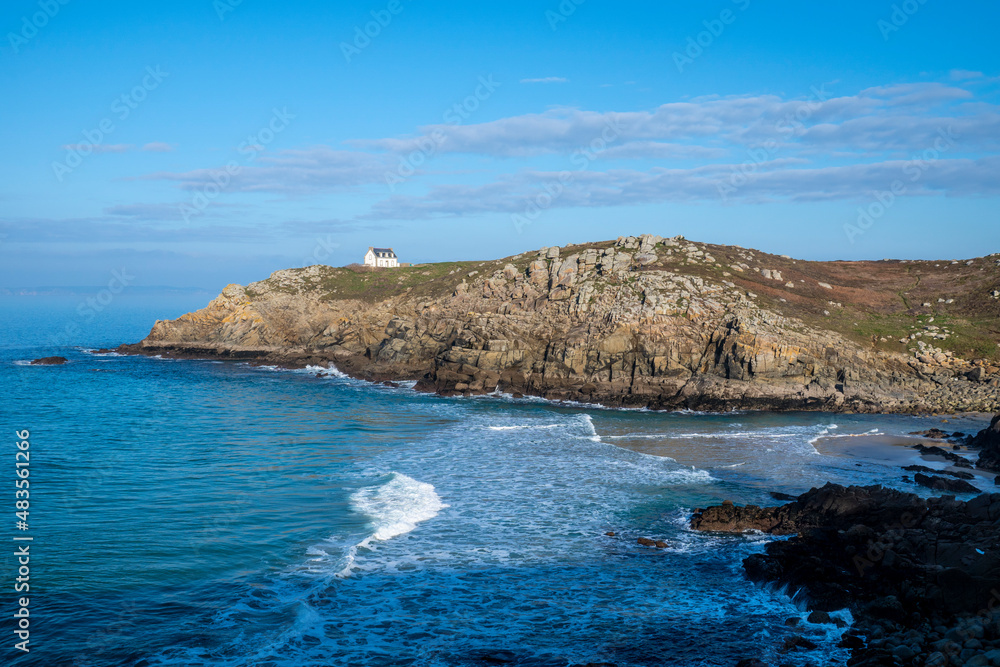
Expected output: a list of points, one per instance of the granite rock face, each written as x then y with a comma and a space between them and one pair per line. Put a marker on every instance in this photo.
642, 321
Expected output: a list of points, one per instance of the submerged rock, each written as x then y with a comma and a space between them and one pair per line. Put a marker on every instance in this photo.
646, 542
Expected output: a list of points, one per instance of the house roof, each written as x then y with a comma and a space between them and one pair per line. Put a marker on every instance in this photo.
383, 252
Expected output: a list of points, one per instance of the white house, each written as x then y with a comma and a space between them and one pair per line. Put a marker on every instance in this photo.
381, 257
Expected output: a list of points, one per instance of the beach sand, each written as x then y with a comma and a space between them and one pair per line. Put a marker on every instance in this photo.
898, 450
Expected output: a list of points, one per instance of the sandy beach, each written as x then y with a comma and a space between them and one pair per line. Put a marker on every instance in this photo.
899, 450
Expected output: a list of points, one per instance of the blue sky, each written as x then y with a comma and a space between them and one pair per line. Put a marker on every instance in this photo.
197, 143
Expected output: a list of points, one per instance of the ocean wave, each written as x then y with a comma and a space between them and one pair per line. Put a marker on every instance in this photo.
588, 422
331, 371
327, 371
825, 434
395, 508
507, 397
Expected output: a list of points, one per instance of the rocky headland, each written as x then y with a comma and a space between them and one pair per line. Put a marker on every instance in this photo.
664, 323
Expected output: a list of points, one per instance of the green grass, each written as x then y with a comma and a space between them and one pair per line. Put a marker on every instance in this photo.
370, 286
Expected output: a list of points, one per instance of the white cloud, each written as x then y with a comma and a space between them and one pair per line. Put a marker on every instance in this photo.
311, 170
964, 74
803, 148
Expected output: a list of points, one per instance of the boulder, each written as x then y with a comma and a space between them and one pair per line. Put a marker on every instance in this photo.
49, 361
944, 484
987, 442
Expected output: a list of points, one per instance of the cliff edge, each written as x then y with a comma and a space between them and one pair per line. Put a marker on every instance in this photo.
646, 321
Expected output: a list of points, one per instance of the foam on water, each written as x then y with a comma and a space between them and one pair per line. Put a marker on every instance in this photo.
93, 352
327, 371
825, 433
395, 508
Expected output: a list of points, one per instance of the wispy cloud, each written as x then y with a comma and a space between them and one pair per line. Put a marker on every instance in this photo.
158, 147
964, 74
818, 146
311, 170
776, 181
99, 148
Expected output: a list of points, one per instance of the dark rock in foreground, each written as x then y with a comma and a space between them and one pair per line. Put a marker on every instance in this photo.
988, 442
49, 361
921, 577
944, 484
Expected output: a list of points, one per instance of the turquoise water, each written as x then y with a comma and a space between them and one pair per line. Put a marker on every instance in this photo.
206, 513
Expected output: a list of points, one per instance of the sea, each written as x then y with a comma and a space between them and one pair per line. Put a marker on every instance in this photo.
219, 513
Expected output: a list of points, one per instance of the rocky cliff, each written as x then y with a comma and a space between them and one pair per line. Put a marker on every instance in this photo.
920, 576
640, 321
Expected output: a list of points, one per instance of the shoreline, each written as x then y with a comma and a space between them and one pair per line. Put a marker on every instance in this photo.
360, 367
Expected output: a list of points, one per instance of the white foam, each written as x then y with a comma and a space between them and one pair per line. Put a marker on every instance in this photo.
395, 508
328, 371
95, 353
825, 433
519, 427
592, 431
